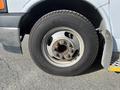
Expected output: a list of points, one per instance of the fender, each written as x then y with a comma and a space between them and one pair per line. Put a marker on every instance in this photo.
105, 30
17, 6
96, 3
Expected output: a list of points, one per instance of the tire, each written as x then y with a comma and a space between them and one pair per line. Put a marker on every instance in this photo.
77, 23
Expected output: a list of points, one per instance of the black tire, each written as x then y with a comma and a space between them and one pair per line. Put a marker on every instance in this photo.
69, 19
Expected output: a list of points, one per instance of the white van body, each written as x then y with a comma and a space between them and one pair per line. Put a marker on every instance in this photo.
109, 25
106, 7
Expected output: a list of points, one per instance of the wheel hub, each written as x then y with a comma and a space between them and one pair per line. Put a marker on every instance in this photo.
63, 50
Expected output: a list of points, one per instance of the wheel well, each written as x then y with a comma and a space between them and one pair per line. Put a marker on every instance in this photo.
37, 11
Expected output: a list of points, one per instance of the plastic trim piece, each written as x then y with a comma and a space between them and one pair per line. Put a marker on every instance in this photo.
9, 38
10, 19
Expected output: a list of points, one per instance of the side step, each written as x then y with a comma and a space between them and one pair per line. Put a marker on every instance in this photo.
115, 65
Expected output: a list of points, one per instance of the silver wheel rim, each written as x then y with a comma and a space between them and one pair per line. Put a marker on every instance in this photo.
62, 47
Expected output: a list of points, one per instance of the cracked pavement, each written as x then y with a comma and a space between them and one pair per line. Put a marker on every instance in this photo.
18, 72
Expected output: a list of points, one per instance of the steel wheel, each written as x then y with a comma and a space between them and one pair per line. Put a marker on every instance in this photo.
62, 46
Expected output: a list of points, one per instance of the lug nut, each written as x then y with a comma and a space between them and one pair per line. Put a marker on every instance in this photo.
56, 46
61, 41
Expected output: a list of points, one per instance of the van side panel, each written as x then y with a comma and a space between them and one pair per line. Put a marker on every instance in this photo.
115, 22
15, 6
22, 6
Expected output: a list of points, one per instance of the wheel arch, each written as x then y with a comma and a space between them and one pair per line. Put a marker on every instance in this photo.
42, 8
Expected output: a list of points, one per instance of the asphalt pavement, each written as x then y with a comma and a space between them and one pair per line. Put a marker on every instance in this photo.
19, 72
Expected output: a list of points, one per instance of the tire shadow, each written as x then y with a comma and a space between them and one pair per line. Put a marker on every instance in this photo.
96, 66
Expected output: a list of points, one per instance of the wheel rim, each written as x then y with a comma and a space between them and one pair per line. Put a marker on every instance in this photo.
62, 47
